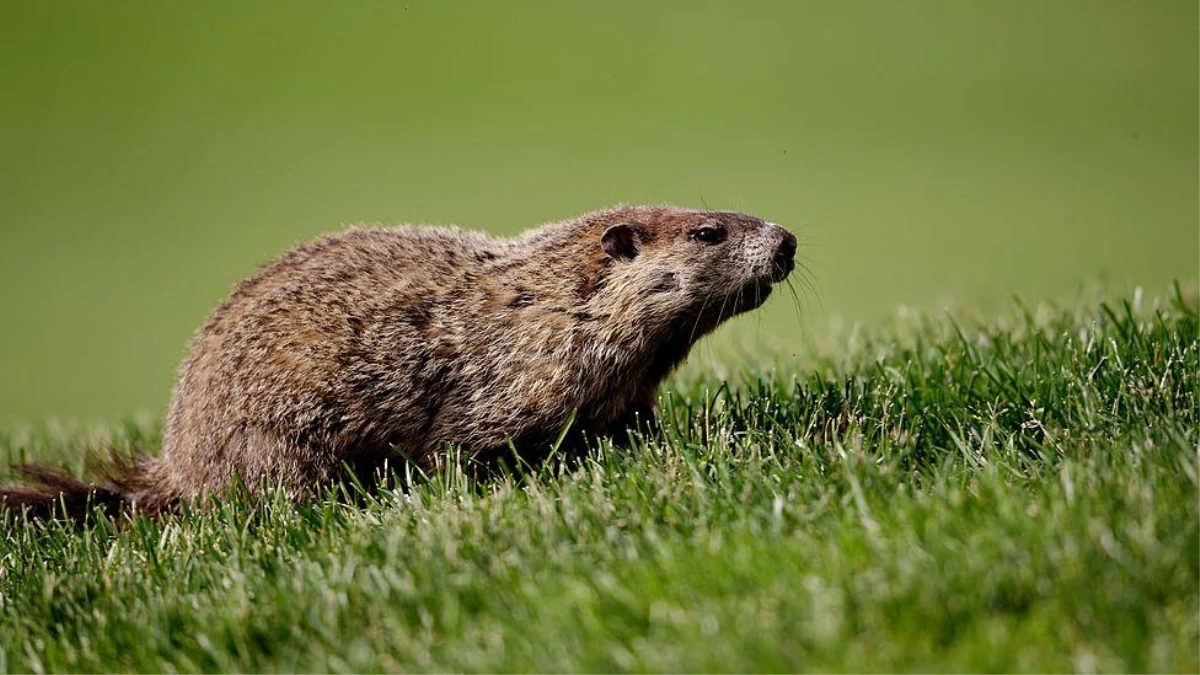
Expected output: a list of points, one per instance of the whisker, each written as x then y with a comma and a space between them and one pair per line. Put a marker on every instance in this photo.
699, 317
809, 281
724, 300
796, 305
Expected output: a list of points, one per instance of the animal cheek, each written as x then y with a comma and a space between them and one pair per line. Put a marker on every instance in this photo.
667, 283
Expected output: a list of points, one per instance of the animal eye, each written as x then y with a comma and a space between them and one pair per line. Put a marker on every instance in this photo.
709, 235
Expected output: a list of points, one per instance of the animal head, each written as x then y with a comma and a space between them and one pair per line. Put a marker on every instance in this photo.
693, 268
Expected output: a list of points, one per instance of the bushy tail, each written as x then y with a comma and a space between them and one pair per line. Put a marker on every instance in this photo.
124, 484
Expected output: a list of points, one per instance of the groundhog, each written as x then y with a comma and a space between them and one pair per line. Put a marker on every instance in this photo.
389, 344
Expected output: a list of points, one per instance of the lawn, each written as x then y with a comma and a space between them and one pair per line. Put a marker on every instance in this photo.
1013, 490
864, 481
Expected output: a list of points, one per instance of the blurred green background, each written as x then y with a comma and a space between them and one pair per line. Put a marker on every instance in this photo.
152, 153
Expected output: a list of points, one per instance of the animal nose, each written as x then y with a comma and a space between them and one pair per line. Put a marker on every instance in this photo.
785, 257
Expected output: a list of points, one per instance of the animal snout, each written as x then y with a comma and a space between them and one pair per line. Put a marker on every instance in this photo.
785, 257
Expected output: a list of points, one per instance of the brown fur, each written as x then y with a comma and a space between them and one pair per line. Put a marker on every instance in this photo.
370, 342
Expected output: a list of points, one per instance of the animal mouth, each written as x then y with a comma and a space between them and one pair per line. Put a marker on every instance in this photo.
752, 295
781, 267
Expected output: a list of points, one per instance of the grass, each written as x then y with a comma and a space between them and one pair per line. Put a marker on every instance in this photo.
1006, 493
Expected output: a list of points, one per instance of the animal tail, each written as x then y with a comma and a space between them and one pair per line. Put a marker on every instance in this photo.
123, 484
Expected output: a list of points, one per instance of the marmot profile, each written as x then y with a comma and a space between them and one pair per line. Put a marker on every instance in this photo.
387, 342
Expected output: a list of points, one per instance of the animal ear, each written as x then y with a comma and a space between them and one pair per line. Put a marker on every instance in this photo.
621, 242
